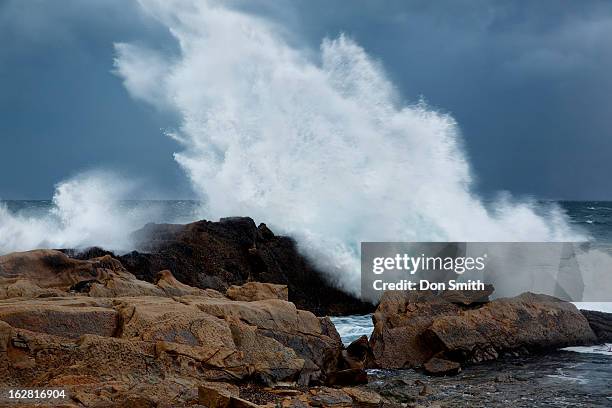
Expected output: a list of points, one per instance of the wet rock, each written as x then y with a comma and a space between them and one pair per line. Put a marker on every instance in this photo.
601, 323
439, 366
503, 378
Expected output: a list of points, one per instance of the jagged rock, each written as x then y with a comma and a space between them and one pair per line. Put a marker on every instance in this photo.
234, 251
113, 340
440, 366
399, 323
411, 327
45, 273
252, 291
172, 287
601, 323
310, 336
352, 364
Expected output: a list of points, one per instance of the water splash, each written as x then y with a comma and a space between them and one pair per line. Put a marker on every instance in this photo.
321, 148
86, 211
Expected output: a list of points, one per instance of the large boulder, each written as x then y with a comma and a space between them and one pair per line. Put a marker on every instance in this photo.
527, 321
412, 328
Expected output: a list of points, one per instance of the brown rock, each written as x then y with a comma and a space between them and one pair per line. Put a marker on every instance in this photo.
310, 337
237, 402
6, 333
164, 319
217, 395
268, 359
439, 366
172, 287
59, 317
252, 291
601, 323
399, 323
363, 398
329, 397
52, 273
294, 403
426, 390
530, 321
112, 340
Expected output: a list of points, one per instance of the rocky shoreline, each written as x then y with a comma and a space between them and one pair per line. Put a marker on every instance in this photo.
203, 330
232, 251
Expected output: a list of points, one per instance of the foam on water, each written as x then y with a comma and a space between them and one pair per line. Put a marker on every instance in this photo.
350, 328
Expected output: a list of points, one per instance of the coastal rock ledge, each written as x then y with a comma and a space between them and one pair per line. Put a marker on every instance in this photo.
109, 339
424, 329
232, 251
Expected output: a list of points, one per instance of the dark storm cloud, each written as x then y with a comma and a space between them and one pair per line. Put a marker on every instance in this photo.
62, 110
528, 83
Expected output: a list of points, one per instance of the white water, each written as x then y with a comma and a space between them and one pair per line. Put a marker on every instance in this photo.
350, 328
319, 145
86, 212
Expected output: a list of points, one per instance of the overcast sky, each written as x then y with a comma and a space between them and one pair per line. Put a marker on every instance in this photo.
529, 83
